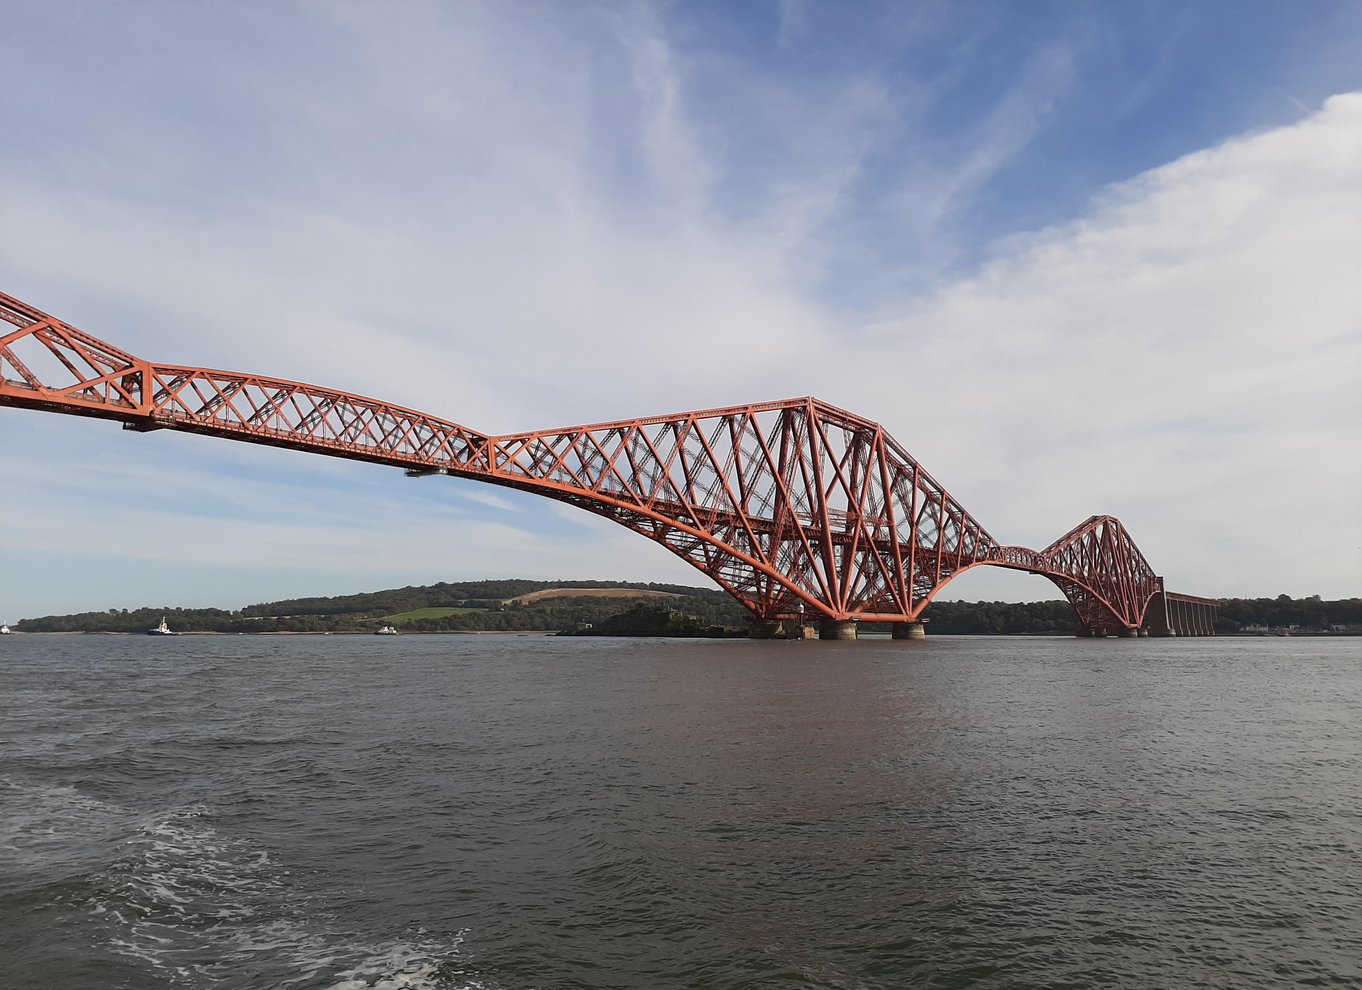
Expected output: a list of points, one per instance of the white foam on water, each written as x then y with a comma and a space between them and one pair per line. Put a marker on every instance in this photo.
202, 910
416, 965
52, 824
401, 967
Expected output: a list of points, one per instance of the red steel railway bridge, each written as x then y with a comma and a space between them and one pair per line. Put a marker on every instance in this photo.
807, 514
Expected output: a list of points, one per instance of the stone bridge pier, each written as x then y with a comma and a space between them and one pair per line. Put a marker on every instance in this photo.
1181, 615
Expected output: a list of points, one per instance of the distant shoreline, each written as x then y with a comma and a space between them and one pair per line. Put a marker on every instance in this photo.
589, 635
291, 632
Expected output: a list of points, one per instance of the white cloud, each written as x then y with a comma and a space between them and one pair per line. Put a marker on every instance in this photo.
523, 224
1187, 354
941, 180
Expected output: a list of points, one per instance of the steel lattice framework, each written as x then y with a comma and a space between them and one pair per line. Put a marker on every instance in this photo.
794, 507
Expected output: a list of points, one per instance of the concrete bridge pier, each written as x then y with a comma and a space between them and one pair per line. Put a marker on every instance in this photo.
1129, 634
908, 630
1181, 615
781, 629
766, 629
837, 629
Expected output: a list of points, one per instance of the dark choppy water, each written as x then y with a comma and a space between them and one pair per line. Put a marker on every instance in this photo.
508, 813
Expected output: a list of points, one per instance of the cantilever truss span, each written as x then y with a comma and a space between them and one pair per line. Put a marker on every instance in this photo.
794, 507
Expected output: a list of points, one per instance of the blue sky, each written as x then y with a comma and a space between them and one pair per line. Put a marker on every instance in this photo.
1078, 258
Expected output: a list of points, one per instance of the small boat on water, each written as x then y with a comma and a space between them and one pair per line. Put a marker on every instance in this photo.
162, 629
5, 630
386, 631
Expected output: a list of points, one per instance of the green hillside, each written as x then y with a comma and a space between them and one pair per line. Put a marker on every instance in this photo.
479, 606
470, 606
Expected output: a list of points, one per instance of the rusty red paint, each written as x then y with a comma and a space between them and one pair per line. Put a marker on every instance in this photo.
794, 507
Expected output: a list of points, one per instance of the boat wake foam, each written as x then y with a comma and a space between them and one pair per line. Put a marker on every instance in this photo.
194, 908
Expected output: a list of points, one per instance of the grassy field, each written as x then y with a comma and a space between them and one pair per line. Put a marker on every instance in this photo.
425, 613
539, 596
402, 618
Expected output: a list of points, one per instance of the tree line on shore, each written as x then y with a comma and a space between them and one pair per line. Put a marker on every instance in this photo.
469, 606
489, 606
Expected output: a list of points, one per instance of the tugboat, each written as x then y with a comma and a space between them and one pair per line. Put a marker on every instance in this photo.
386, 631
162, 629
